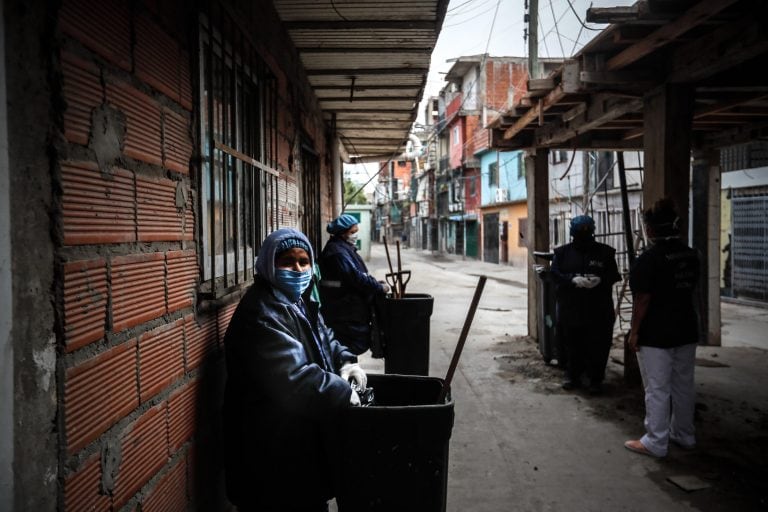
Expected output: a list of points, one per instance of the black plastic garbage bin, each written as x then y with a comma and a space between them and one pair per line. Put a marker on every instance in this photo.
547, 328
395, 453
406, 334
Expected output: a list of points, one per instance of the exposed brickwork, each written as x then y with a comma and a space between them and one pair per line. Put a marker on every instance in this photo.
161, 358
170, 494
182, 415
138, 289
225, 315
144, 449
103, 26
82, 488
186, 80
158, 217
143, 134
157, 58
201, 339
98, 393
182, 278
130, 258
85, 302
83, 93
177, 142
97, 208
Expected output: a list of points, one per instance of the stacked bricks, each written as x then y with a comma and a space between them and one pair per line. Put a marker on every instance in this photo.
133, 348
138, 358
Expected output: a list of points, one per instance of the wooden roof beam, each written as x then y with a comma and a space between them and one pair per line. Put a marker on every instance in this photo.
550, 99
602, 109
723, 49
668, 33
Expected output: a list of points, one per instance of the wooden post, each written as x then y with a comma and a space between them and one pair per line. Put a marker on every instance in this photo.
705, 184
667, 113
537, 238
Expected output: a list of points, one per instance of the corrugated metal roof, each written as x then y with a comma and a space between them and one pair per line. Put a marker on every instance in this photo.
367, 62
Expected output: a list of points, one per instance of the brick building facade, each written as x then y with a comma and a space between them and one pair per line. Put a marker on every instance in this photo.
146, 140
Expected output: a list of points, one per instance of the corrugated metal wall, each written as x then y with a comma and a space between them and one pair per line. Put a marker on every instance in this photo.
749, 244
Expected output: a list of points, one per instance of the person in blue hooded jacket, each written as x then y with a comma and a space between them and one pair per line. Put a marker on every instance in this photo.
348, 292
287, 383
584, 272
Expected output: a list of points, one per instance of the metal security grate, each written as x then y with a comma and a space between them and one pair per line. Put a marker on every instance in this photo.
238, 139
749, 247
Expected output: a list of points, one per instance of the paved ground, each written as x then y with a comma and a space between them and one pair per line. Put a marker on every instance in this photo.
521, 443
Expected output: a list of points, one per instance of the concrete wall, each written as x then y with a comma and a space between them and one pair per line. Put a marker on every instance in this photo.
116, 360
31, 188
6, 298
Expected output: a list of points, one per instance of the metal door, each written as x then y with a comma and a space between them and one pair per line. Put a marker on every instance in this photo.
471, 237
491, 238
749, 247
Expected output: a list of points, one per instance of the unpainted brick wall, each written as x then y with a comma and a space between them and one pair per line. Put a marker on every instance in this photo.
141, 368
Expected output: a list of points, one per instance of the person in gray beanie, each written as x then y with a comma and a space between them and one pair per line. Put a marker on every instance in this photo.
288, 381
348, 293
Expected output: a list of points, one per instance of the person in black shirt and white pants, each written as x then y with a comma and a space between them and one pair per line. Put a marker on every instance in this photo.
664, 333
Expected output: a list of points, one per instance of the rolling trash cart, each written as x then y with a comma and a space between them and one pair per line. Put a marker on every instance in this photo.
395, 451
548, 341
406, 334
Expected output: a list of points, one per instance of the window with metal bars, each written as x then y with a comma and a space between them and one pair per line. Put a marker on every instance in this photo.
238, 139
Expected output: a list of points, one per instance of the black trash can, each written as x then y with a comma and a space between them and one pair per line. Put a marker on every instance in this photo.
546, 318
406, 334
395, 453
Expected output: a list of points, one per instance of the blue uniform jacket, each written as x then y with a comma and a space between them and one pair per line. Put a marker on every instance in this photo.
282, 398
347, 292
580, 306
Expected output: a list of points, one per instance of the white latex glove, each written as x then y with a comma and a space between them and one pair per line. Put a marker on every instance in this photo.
580, 282
592, 280
353, 370
354, 400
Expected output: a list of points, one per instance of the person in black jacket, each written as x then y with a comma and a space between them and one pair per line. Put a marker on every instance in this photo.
287, 383
665, 332
584, 272
348, 293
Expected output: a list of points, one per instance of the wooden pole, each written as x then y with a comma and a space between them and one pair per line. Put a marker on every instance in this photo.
462, 340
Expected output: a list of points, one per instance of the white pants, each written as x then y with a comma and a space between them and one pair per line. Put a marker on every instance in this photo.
670, 396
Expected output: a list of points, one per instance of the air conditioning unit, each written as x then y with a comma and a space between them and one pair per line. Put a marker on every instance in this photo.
502, 195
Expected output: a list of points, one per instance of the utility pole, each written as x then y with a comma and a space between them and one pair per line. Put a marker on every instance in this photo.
533, 38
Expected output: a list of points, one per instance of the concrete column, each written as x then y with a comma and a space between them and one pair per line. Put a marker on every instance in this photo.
668, 112
29, 41
337, 174
6, 298
705, 222
537, 185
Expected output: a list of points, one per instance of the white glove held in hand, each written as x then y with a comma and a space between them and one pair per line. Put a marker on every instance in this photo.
354, 400
580, 282
592, 280
353, 370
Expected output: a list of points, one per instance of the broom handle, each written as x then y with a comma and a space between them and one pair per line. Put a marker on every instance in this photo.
389, 261
462, 340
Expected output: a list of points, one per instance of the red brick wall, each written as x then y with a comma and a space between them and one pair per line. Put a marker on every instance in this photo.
141, 368
501, 76
472, 202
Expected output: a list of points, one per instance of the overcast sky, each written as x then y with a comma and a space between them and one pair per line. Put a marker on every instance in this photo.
496, 27
473, 27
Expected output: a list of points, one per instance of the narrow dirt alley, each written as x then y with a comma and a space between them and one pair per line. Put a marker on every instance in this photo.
522, 443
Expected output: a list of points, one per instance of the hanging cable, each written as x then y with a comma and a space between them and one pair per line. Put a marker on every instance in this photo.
557, 29
570, 4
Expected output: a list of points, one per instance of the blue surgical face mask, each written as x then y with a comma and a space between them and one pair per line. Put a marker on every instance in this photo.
292, 283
